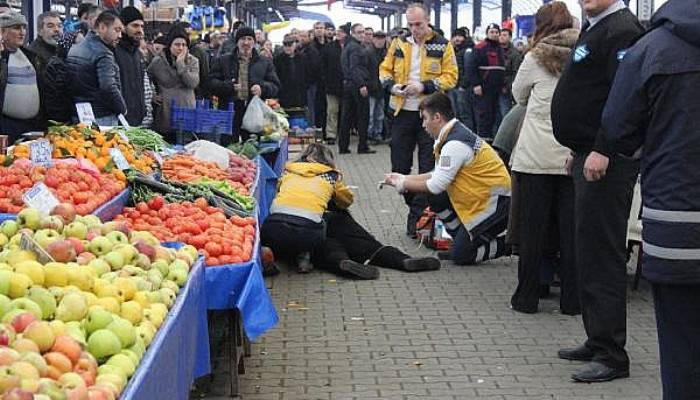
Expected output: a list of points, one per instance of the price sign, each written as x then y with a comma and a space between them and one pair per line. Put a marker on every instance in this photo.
123, 121
41, 198
85, 114
40, 152
119, 159
28, 243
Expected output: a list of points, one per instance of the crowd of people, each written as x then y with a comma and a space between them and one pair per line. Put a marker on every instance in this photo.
530, 150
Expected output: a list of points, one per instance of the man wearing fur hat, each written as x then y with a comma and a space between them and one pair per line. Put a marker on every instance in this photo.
131, 70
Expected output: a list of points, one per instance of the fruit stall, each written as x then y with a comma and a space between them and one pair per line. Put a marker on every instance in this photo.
113, 247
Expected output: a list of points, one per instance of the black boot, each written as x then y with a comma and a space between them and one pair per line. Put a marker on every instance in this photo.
416, 264
359, 271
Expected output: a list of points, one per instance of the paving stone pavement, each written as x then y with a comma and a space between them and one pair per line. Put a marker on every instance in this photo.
447, 334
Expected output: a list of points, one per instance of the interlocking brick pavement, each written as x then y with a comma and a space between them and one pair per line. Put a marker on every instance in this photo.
447, 334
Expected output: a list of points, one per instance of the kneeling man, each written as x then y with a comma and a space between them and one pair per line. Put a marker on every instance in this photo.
469, 187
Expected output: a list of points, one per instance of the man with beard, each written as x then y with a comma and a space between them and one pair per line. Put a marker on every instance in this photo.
46, 44
131, 71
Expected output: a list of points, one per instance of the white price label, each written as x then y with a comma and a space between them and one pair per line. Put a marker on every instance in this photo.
41, 198
85, 114
119, 159
123, 121
28, 243
40, 152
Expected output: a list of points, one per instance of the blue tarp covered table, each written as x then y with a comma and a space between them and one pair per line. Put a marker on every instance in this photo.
179, 352
241, 286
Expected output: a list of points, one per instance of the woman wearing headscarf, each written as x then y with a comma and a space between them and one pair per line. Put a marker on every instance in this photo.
176, 74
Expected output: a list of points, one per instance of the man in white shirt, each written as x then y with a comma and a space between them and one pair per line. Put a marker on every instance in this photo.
469, 188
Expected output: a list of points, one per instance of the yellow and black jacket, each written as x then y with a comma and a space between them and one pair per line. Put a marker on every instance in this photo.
438, 69
306, 188
477, 187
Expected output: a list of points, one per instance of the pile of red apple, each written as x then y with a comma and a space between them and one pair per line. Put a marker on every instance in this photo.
242, 170
221, 240
77, 328
86, 191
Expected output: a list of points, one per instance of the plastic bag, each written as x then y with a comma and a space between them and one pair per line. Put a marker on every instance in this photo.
254, 118
209, 151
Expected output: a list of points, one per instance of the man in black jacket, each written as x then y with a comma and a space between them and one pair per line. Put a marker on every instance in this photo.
356, 64
320, 105
311, 62
131, 71
292, 93
238, 76
46, 43
459, 95
94, 72
650, 92
486, 75
603, 184
332, 80
20, 84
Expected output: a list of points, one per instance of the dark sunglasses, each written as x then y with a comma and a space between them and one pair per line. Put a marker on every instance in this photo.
288, 43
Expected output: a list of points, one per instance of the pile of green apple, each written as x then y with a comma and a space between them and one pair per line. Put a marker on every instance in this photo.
77, 328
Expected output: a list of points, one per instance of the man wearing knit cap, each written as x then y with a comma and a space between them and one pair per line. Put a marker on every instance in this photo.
238, 76
487, 76
131, 70
20, 103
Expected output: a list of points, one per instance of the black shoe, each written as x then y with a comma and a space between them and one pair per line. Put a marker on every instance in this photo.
597, 372
359, 271
522, 309
579, 353
416, 264
366, 151
444, 255
344, 151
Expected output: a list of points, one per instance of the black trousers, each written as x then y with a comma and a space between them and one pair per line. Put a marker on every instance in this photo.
486, 241
355, 113
289, 235
240, 107
348, 240
487, 110
14, 128
542, 197
678, 324
601, 212
407, 133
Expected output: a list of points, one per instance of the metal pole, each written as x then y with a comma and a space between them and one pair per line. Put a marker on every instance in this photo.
454, 11
507, 9
437, 8
477, 14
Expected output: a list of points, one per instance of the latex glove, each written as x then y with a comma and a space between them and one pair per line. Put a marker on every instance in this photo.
396, 91
414, 89
256, 90
396, 180
595, 166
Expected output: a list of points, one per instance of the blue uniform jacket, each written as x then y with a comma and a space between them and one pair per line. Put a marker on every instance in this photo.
654, 105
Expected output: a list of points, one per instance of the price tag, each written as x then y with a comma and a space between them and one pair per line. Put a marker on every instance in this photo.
123, 121
41, 198
119, 159
85, 114
28, 243
40, 152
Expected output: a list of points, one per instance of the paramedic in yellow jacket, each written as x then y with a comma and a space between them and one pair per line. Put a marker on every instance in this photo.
415, 67
295, 225
469, 186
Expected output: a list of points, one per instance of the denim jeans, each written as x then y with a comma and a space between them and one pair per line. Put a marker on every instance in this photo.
376, 118
462, 107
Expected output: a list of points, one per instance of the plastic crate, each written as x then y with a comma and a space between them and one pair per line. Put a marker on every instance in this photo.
213, 121
298, 122
182, 119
